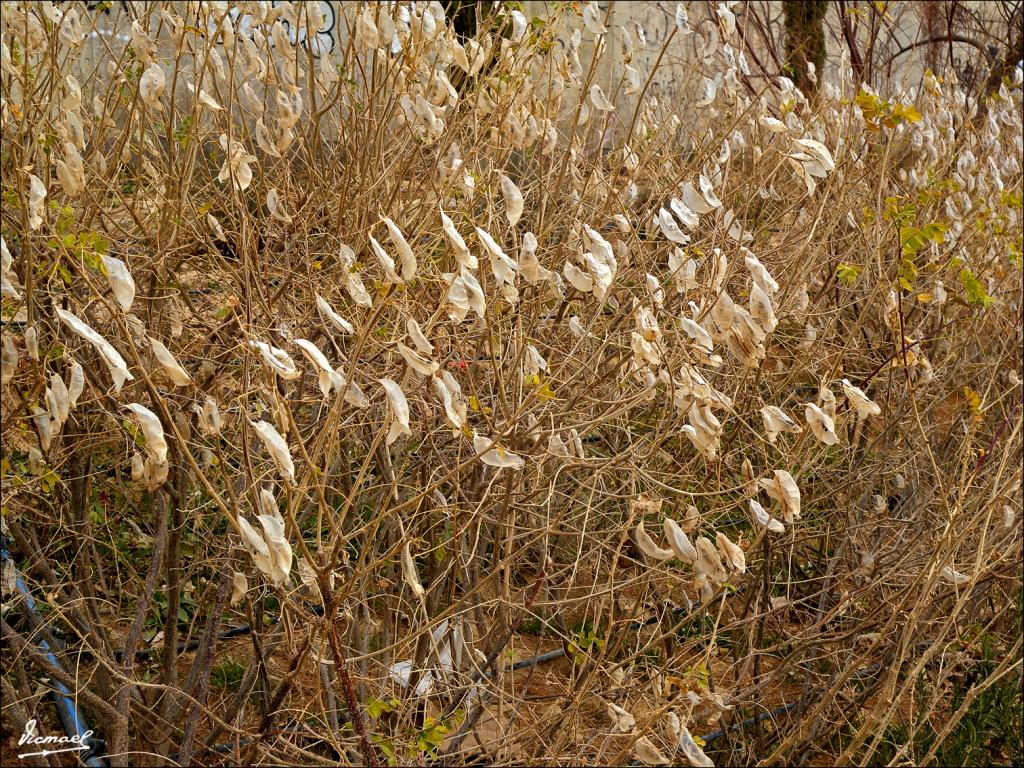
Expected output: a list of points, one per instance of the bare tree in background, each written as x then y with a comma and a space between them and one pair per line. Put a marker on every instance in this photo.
805, 39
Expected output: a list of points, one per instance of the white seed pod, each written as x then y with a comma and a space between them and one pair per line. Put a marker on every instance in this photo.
465, 294
412, 578
494, 455
776, 421
462, 253
327, 313
761, 309
513, 199
691, 750
327, 377
44, 426
764, 519
415, 334
204, 98
152, 430
208, 417
821, 424
599, 100
622, 720
275, 206
860, 402
32, 343
385, 261
115, 363
647, 753
61, 398
416, 361
152, 84
71, 170
577, 278
709, 562
121, 282
36, 199
76, 383
178, 375
405, 253
399, 420
731, 553
647, 545
257, 547
954, 576
783, 489
280, 549
455, 416
279, 361
277, 447
679, 541
691, 520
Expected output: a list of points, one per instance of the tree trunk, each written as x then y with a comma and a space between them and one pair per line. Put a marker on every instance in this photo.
805, 39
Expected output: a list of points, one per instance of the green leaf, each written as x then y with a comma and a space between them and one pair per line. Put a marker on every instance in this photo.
976, 293
847, 273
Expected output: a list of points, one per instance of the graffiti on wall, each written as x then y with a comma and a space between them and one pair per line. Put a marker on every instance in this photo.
323, 42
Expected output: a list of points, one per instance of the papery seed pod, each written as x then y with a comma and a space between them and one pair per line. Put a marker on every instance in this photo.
647, 545
692, 751
178, 375
731, 553
385, 261
647, 753
691, 520
275, 206
678, 541
327, 377
763, 518
455, 416
465, 294
36, 198
152, 430
61, 398
277, 447
333, 318
861, 403
821, 424
622, 720
783, 489
280, 549
462, 252
513, 199
279, 361
495, 456
747, 473
416, 361
412, 578
776, 421
138, 468
599, 100
403, 248
399, 420
257, 547
152, 84
954, 577
592, 18
709, 561
415, 334
43, 423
